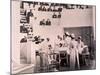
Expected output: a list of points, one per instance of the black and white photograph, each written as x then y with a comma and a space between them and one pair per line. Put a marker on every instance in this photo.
52, 37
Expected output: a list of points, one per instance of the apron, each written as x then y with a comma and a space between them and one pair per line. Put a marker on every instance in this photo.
74, 55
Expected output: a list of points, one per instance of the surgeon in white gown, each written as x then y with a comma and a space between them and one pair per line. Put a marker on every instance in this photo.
80, 45
67, 42
74, 53
82, 49
67, 45
44, 53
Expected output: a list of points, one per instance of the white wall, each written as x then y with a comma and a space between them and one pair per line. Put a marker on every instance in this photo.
77, 18
17, 36
15, 32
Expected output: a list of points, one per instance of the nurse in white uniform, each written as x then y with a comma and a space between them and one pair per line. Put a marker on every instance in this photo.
74, 53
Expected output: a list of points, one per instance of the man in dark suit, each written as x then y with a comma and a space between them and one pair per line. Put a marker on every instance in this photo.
40, 8
23, 40
59, 16
59, 9
44, 9
49, 9
54, 16
42, 22
48, 22
29, 14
